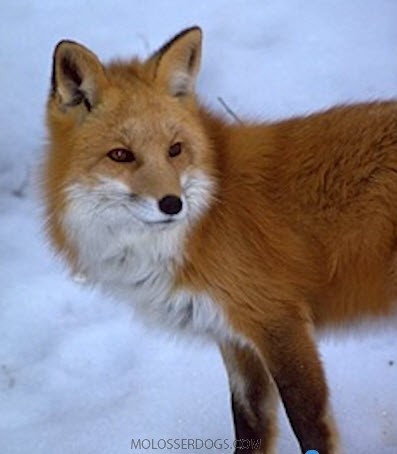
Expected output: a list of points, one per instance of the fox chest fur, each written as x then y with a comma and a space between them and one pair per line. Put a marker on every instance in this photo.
140, 269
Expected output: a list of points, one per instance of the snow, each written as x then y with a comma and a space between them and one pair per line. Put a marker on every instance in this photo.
77, 372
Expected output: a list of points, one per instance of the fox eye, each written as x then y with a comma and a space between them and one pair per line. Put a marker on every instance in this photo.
121, 155
175, 150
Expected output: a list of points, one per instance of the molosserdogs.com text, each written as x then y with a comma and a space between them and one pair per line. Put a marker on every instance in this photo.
191, 444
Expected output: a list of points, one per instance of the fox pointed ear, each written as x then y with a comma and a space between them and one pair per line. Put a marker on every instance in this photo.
77, 76
177, 63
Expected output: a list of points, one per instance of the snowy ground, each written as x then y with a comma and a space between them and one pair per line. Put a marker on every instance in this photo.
77, 373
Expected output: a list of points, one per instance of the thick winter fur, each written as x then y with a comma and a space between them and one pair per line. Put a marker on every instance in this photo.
285, 229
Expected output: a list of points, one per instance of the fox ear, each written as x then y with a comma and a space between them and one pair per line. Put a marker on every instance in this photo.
77, 76
177, 63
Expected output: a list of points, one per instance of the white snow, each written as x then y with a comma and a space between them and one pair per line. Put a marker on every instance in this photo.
77, 373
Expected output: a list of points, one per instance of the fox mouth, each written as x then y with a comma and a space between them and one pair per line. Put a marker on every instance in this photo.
162, 222
167, 221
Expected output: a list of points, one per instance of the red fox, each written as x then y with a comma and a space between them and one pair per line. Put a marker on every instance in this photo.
255, 235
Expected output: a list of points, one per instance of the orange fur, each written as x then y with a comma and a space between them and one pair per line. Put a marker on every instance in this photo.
307, 210
301, 229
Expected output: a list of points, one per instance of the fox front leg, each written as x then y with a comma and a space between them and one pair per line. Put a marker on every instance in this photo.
254, 400
294, 363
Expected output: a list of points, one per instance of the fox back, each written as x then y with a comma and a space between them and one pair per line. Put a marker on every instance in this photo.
256, 235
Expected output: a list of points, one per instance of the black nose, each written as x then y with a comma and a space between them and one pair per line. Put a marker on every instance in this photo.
170, 204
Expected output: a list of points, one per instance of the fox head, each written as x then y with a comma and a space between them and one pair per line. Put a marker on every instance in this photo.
127, 148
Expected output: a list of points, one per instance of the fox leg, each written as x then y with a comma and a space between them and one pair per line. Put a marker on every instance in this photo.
254, 400
291, 355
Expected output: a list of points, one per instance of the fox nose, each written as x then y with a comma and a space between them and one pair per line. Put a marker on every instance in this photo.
170, 204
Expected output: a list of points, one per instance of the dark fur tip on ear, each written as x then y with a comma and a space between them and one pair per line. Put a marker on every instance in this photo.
173, 40
54, 58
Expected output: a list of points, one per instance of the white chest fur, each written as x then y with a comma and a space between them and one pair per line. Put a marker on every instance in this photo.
149, 286
140, 268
